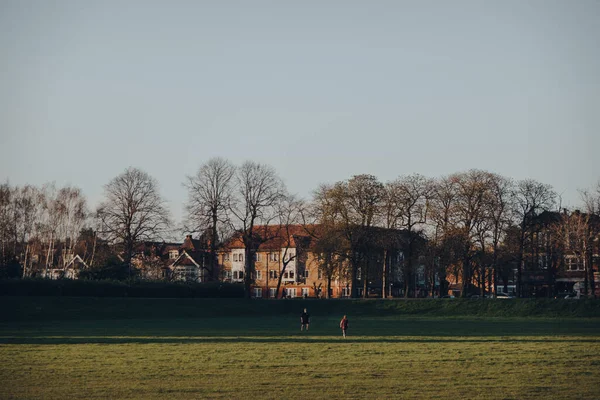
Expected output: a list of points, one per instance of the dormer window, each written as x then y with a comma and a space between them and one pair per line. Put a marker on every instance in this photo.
173, 254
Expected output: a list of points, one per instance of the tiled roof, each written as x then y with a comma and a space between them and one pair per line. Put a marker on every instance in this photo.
274, 237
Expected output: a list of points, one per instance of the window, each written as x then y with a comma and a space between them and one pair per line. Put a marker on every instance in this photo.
272, 293
272, 274
288, 255
288, 275
573, 264
291, 292
256, 257
273, 257
173, 254
258, 275
258, 292
304, 292
306, 273
241, 257
235, 257
345, 292
226, 257
319, 274
238, 274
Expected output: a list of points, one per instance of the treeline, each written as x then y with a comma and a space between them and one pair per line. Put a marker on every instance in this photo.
472, 227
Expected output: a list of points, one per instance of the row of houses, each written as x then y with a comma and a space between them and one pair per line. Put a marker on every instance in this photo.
286, 259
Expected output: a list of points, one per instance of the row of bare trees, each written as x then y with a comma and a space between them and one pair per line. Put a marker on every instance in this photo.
476, 223
32, 219
479, 227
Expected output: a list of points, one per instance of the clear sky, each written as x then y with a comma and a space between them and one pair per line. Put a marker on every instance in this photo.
321, 90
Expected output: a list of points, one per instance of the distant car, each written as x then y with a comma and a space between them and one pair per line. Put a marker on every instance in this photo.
504, 296
566, 295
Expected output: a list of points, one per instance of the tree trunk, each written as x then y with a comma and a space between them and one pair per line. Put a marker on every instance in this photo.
249, 269
384, 275
520, 261
353, 283
590, 271
25, 260
49, 253
93, 249
366, 281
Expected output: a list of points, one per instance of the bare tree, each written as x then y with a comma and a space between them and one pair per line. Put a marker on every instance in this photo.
288, 215
209, 195
472, 191
407, 207
361, 197
443, 238
531, 197
499, 211
133, 211
5, 222
71, 214
591, 199
254, 203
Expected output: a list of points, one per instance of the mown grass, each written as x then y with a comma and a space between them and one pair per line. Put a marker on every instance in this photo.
51, 354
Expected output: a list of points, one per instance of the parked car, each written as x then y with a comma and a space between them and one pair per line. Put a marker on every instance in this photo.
502, 295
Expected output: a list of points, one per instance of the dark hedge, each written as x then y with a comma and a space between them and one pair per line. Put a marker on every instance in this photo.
94, 288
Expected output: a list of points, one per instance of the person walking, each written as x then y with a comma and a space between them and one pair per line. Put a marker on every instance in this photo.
304, 320
344, 325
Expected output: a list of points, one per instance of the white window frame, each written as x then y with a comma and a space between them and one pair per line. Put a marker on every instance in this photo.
304, 291
573, 264
272, 293
258, 274
290, 293
257, 292
238, 275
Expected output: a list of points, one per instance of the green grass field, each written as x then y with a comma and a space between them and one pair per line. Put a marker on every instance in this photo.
59, 348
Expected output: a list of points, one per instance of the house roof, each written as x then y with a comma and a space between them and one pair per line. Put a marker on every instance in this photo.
188, 257
273, 237
192, 244
78, 259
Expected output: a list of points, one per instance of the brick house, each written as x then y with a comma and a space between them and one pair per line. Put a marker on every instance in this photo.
288, 254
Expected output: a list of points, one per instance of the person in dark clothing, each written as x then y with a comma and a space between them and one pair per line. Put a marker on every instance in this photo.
344, 325
304, 320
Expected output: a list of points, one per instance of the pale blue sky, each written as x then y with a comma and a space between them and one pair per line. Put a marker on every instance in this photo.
321, 90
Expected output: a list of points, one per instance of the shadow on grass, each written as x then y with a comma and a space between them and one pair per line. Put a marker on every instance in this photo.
290, 339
